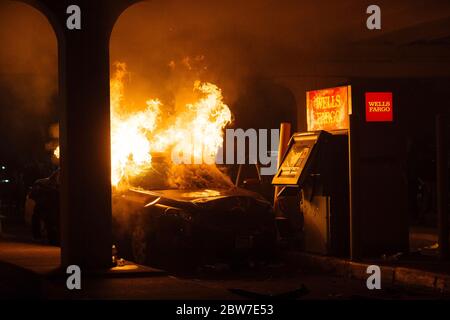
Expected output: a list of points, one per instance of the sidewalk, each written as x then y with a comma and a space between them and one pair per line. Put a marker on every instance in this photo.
420, 268
29, 270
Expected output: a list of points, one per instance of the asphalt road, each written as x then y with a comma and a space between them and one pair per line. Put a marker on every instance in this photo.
268, 282
213, 282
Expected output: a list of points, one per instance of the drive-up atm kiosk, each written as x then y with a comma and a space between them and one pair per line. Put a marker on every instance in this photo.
320, 166
316, 166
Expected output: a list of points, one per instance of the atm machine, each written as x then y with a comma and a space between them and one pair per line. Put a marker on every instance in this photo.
347, 171
316, 166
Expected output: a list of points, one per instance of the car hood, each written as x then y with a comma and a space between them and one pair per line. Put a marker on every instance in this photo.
197, 198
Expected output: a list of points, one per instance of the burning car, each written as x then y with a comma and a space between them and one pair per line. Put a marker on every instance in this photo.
162, 224
210, 220
163, 208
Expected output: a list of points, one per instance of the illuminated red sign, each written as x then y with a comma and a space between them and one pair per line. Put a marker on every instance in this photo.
379, 107
328, 109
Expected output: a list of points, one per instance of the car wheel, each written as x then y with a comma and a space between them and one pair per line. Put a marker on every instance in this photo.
52, 236
140, 245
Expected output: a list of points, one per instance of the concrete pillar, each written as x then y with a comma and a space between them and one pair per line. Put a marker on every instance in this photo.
84, 128
85, 150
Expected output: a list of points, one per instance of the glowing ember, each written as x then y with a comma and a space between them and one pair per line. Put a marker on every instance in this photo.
56, 152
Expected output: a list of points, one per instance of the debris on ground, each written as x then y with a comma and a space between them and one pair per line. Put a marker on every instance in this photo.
394, 257
294, 294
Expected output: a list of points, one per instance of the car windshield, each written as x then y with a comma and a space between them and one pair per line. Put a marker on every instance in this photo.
152, 179
163, 175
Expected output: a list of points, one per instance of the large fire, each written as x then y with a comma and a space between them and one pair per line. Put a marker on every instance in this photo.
194, 134
130, 132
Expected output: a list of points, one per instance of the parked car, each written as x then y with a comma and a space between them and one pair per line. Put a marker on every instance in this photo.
42, 208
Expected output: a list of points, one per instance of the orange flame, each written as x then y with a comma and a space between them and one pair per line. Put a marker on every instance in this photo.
56, 152
130, 145
196, 132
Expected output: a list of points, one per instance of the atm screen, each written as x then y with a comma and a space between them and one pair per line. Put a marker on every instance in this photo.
297, 159
294, 161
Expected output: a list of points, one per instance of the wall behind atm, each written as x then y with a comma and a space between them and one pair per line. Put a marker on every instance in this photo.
416, 103
418, 100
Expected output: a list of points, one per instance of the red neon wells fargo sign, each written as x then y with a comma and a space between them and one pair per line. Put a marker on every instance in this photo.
379, 107
328, 109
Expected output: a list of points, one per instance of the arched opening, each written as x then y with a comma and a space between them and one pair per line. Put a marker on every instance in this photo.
159, 55
29, 115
